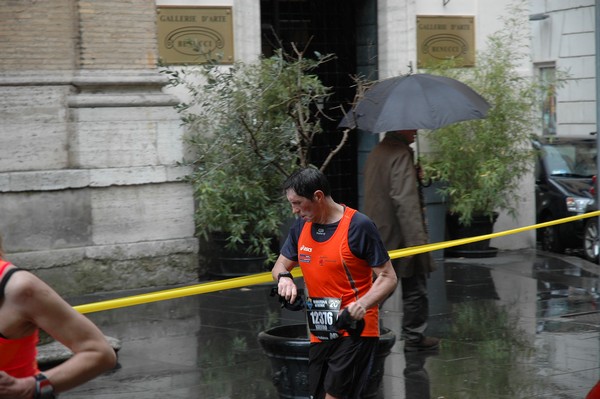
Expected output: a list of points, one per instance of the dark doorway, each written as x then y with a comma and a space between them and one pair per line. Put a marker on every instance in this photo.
329, 26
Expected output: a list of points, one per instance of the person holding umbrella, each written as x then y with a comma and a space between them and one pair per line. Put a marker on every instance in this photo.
399, 106
393, 201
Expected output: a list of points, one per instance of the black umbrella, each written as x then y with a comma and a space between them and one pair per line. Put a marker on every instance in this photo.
418, 101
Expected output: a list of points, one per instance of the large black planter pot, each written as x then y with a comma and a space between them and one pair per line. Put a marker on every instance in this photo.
225, 263
287, 348
480, 225
435, 212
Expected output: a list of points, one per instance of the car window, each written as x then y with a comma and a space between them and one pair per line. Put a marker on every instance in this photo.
570, 159
556, 163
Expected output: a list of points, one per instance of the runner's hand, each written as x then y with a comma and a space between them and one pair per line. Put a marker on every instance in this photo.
287, 289
16, 388
357, 310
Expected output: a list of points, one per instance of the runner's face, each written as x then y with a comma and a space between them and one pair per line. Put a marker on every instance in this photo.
302, 206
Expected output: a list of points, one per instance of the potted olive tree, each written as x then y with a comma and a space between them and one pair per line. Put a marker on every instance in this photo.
482, 162
248, 126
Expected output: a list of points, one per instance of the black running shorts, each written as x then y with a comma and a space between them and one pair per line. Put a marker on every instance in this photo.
340, 367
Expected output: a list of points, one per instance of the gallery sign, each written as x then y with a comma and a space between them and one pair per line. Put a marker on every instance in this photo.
195, 35
441, 38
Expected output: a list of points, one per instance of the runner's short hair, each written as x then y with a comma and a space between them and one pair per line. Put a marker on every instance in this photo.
306, 181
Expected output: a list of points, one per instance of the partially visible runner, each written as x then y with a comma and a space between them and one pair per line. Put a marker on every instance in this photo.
339, 251
27, 304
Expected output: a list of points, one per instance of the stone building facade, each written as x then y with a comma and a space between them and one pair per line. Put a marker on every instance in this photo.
91, 197
564, 39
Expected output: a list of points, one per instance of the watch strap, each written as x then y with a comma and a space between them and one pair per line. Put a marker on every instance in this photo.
284, 274
43, 388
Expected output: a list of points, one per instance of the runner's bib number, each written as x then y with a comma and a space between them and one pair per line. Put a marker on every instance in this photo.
322, 314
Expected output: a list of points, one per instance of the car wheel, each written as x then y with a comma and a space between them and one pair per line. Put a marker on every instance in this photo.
590, 240
551, 240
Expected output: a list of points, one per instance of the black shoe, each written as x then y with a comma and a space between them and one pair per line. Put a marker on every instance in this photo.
425, 344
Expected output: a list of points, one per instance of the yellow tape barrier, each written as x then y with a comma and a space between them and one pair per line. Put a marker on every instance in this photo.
398, 253
265, 277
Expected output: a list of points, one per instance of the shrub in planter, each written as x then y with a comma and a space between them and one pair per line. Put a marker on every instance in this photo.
248, 127
482, 162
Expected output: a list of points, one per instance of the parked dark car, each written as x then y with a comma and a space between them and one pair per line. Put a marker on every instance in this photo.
563, 176
591, 246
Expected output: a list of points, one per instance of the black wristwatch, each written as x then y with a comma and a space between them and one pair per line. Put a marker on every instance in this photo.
284, 274
43, 388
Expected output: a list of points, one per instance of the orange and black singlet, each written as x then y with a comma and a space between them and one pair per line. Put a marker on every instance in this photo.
17, 356
331, 270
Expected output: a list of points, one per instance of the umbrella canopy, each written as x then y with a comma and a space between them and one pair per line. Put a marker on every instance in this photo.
418, 101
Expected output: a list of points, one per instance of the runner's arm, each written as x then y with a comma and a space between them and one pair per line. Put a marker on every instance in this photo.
383, 286
40, 304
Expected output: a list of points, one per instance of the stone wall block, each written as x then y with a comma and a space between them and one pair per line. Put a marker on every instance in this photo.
33, 104
126, 136
33, 146
33, 126
114, 145
46, 220
142, 213
49, 259
140, 250
170, 142
89, 275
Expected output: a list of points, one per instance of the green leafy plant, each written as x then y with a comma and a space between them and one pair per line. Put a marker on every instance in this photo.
482, 162
248, 127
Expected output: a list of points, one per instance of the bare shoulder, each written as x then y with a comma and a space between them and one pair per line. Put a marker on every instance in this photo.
24, 287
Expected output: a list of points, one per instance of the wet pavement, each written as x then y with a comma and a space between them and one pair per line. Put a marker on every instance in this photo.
524, 324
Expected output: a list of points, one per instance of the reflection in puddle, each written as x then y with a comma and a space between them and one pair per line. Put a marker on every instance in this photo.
485, 351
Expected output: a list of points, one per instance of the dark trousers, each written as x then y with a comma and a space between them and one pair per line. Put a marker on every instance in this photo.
415, 307
416, 384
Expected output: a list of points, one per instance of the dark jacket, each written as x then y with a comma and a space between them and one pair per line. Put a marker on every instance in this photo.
393, 202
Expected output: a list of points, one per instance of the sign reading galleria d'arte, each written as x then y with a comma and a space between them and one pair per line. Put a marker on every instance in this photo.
195, 35
441, 38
